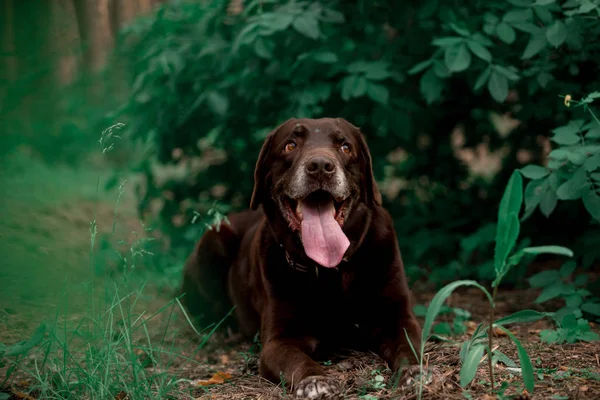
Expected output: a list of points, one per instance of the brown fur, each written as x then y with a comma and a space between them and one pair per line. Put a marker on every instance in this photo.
364, 303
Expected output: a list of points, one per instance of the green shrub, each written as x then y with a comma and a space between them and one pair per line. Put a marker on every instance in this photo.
419, 78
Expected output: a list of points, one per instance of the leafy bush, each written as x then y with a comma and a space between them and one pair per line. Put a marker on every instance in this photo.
426, 81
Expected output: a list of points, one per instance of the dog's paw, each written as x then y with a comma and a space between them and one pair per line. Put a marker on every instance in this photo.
411, 378
318, 387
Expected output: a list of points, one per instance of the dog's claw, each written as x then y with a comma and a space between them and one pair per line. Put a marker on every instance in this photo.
318, 387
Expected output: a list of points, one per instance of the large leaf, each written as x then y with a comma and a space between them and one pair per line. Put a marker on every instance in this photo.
591, 201
507, 230
522, 317
308, 25
534, 171
506, 33
568, 134
537, 42
439, 299
544, 278
573, 188
526, 366
457, 58
479, 50
378, 93
431, 86
498, 86
468, 370
559, 250
556, 33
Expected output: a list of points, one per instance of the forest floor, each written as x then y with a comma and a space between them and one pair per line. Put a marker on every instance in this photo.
45, 237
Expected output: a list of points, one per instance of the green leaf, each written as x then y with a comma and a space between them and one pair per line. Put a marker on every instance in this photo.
420, 67
4, 396
526, 366
593, 132
522, 317
572, 189
591, 201
510, 72
518, 15
532, 196
559, 250
447, 41
457, 58
217, 102
537, 42
482, 78
440, 69
592, 163
569, 321
552, 291
534, 171
568, 134
498, 86
431, 86
360, 86
591, 308
567, 269
543, 14
503, 358
378, 93
469, 366
439, 299
512, 198
544, 278
325, 57
556, 33
544, 2
548, 200
307, 25
479, 50
506, 33
507, 230
22, 348
264, 48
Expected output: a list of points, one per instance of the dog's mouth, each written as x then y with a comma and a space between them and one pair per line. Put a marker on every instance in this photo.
319, 198
319, 217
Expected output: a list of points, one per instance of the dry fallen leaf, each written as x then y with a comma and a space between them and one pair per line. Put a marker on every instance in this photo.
216, 379
583, 389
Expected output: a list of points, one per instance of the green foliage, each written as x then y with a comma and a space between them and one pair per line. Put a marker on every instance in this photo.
571, 171
569, 287
472, 350
456, 327
207, 87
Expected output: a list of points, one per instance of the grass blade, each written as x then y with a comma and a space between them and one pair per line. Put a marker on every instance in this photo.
526, 366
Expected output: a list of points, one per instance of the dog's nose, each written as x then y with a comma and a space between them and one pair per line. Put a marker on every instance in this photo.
320, 166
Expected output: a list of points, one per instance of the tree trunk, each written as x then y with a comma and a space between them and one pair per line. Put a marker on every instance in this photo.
93, 18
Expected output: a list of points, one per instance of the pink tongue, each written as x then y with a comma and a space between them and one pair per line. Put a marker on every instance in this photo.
323, 238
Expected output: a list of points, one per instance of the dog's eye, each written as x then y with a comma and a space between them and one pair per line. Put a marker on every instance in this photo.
290, 146
345, 148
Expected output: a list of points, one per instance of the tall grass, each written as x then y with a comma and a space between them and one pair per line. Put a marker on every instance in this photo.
112, 349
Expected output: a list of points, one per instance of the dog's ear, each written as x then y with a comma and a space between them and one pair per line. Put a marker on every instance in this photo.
263, 168
369, 188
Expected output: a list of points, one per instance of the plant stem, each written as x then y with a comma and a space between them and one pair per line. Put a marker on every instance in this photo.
491, 336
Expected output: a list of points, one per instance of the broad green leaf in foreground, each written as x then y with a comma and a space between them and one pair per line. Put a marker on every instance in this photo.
470, 364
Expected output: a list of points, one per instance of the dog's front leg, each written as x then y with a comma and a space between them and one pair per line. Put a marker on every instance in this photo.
288, 359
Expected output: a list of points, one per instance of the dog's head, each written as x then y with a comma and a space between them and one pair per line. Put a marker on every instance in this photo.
311, 174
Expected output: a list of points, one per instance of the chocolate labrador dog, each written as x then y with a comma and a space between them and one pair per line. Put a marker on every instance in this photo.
314, 266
